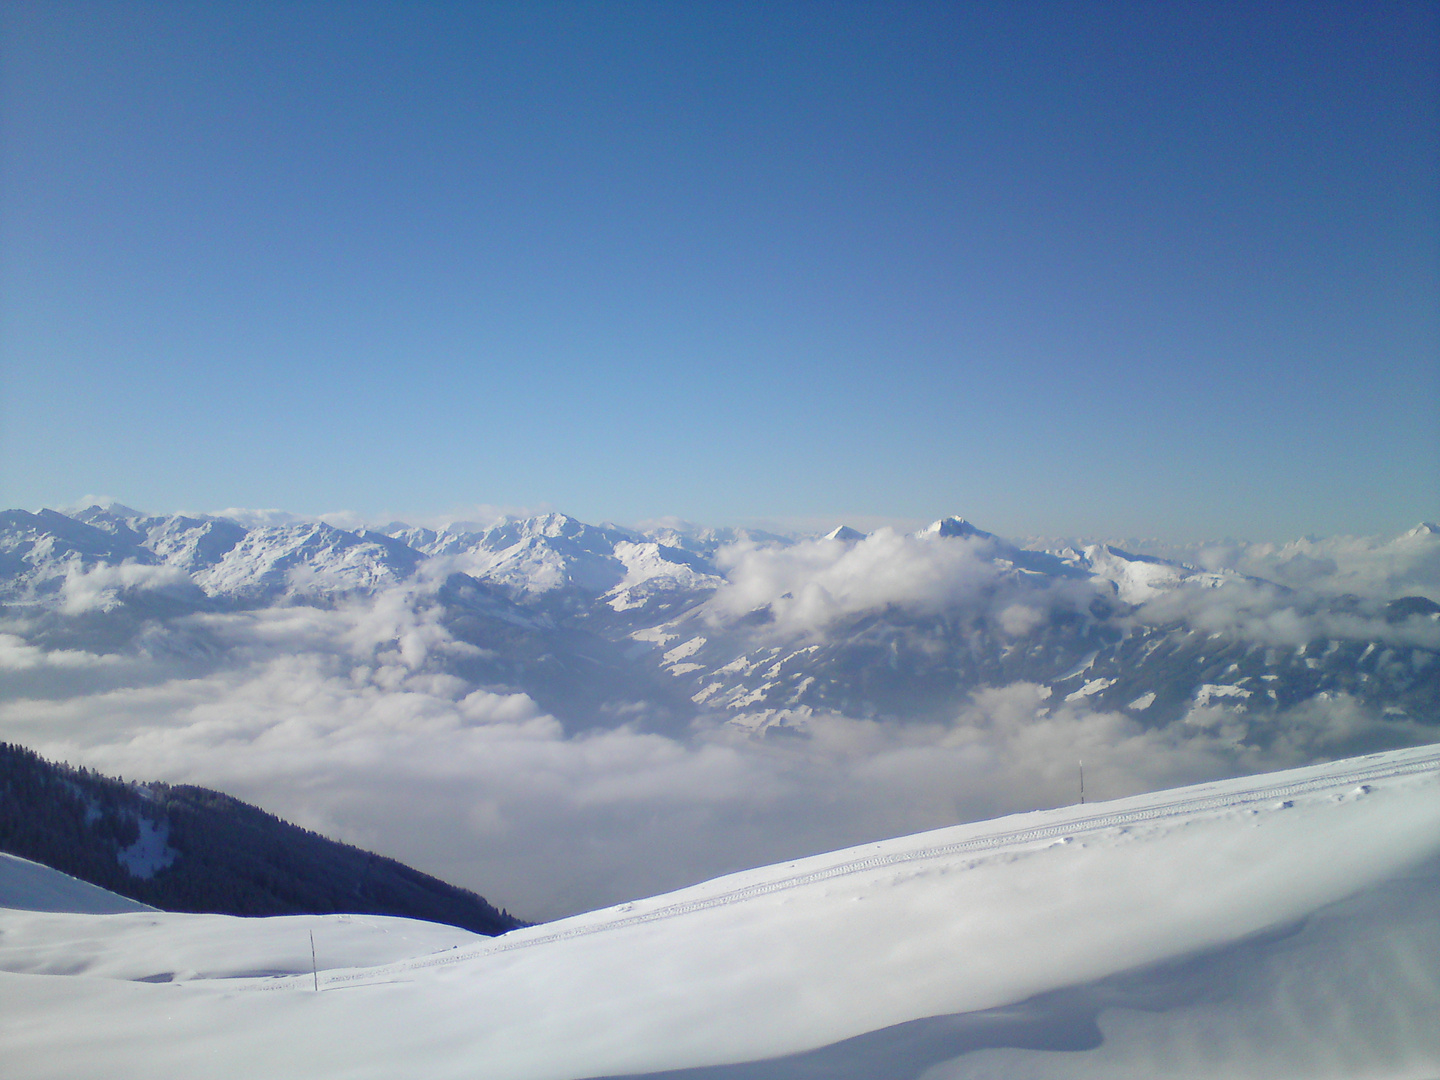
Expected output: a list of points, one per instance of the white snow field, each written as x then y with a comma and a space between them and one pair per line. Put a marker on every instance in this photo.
1278, 926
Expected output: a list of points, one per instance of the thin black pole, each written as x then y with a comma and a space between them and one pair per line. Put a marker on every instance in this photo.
314, 970
1082, 783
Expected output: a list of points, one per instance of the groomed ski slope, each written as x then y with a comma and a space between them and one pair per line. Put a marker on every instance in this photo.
1278, 926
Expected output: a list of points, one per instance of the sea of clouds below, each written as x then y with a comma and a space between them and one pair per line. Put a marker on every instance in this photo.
345, 720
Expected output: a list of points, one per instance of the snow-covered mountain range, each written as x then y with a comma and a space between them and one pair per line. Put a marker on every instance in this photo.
1276, 927
667, 624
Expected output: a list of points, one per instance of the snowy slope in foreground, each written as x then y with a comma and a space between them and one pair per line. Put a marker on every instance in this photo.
1279, 926
32, 886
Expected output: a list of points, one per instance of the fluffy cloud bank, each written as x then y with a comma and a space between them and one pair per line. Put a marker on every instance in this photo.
811, 584
1378, 567
346, 721
1258, 612
102, 587
351, 719
806, 587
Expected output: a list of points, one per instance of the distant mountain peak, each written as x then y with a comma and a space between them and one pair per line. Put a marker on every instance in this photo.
845, 533
952, 527
108, 506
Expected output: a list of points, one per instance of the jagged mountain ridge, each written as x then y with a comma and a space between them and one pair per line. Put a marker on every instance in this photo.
592, 621
552, 552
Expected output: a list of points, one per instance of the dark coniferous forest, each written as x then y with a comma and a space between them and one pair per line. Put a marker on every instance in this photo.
184, 848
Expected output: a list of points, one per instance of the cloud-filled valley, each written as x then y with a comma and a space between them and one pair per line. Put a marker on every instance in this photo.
563, 716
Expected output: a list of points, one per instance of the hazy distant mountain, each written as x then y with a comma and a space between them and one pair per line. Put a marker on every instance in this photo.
666, 626
182, 848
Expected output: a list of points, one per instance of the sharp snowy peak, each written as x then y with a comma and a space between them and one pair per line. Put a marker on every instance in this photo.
951, 528
1005, 556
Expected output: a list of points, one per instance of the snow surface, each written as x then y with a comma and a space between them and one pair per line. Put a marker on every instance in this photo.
1139, 578
31, 886
1277, 926
151, 852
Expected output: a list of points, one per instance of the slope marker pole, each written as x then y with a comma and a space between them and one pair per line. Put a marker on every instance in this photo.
314, 970
1082, 783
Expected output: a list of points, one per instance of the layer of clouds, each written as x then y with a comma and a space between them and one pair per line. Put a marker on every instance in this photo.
808, 586
1408, 565
1256, 611
1375, 567
346, 721
17, 654
257, 519
811, 584
103, 586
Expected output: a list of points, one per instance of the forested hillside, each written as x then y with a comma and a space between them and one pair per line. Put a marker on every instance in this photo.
183, 848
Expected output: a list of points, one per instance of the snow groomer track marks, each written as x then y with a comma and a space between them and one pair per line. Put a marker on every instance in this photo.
1080, 821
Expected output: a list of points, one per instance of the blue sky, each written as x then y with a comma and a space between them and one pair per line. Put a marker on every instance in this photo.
1134, 269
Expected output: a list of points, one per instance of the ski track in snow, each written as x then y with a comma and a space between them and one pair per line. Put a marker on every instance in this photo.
990, 842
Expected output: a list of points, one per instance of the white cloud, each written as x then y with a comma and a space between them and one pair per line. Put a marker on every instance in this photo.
1017, 620
344, 722
347, 720
480, 516
100, 587
252, 519
1378, 567
1375, 567
1260, 612
16, 654
812, 583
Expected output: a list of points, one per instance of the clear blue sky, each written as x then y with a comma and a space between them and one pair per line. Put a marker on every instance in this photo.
1159, 268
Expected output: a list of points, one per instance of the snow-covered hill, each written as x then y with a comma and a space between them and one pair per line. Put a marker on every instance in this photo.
1281, 926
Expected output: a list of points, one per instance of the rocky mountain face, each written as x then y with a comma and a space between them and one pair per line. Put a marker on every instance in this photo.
674, 626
